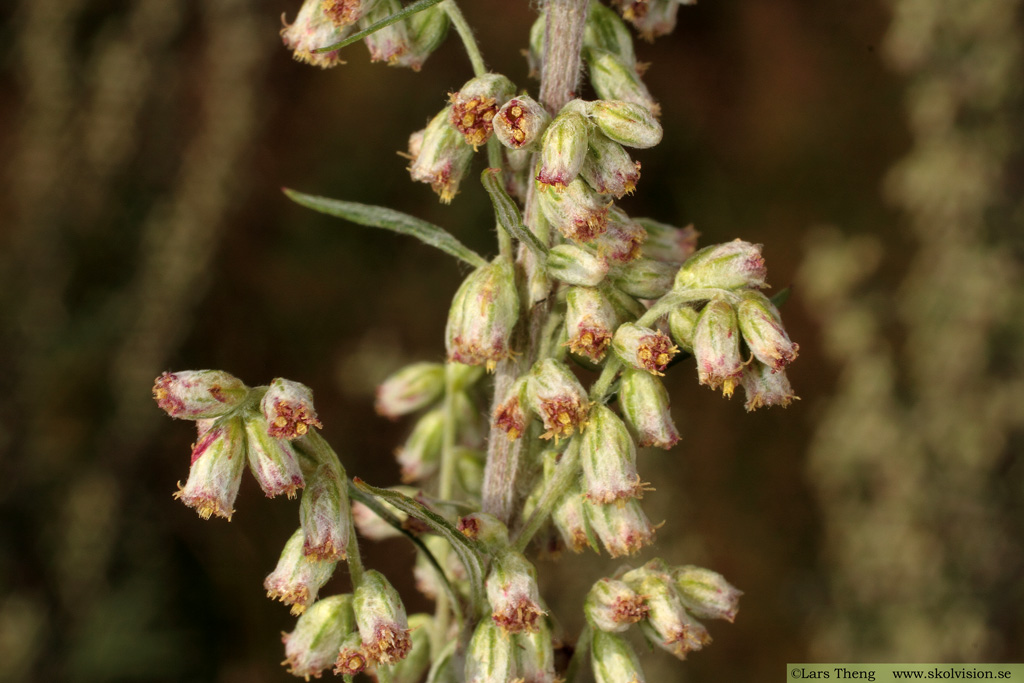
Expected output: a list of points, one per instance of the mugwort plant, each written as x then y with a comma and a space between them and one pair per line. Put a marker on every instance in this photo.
569, 328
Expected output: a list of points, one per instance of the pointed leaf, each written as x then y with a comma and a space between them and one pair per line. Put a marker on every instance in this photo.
386, 21
389, 219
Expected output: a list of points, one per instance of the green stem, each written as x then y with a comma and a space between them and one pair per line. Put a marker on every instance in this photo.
466, 34
561, 481
579, 655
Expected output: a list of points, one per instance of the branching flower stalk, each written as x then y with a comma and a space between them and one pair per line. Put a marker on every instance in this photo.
579, 292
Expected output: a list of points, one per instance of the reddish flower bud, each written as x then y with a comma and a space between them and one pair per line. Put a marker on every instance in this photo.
558, 397
716, 347
609, 459
668, 625
613, 606
413, 387
440, 156
216, 471
392, 43
297, 578
762, 329
658, 17
590, 321
346, 12
608, 167
765, 387
350, 656
324, 513
731, 265
667, 242
313, 29
198, 394
645, 405
621, 242
313, 645
563, 148
272, 461
382, 621
476, 103
511, 415
483, 315
643, 348
513, 594
622, 526
706, 594
288, 407
579, 212
570, 519
520, 123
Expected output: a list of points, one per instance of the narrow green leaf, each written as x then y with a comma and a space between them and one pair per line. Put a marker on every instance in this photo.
387, 21
381, 511
389, 219
467, 550
507, 212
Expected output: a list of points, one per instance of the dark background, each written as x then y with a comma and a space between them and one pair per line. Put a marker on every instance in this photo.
142, 229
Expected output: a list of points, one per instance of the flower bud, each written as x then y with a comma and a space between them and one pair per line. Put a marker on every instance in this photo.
621, 242
643, 348
614, 660
216, 471
312, 30
569, 517
427, 30
644, 278
491, 656
297, 578
762, 329
765, 387
411, 388
487, 530
612, 606
511, 415
731, 265
682, 323
483, 315
579, 212
319, 632
535, 662
440, 156
658, 19
606, 31
272, 461
324, 513
668, 625
288, 407
716, 347
590, 321
198, 394
645, 406
513, 594
346, 12
608, 167
563, 149
668, 243
614, 79
390, 44
622, 526
576, 265
380, 615
476, 103
706, 594
412, 668
520, 122
609, 459
351, 657
627, 123
558, 397
420, 455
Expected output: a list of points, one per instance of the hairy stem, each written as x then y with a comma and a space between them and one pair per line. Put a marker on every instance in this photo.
563, 41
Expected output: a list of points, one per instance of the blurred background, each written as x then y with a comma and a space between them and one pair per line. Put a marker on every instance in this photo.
873, 147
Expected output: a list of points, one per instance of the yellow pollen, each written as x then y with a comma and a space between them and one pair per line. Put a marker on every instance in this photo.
488, 115
280, 421
663, 358
301, 428
564, 418
727, 387
518, 135
468, 119
516, 111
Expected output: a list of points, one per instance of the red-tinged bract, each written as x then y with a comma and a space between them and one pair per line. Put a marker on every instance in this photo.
765, 387
381, 616
609, 459
716, 347
325, 515
644, 402
622, 527
590, 322
475, 105
312, 646
198, 394
483, 316
644, 348
218, 459
763, 332
288, 407
297, 579
513, 594
613, 606
272, 461
556, 395
313, 29
731, 265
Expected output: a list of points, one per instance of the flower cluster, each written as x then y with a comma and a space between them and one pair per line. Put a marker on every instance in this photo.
580, 316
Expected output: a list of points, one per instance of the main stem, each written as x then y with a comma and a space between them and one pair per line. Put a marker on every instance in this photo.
559, 76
